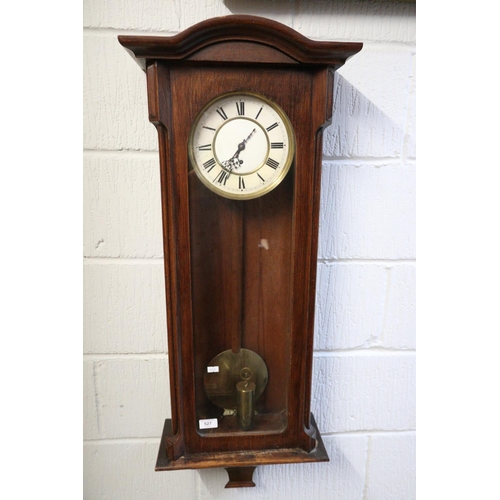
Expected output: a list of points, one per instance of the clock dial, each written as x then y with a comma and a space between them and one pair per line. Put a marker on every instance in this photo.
241, 145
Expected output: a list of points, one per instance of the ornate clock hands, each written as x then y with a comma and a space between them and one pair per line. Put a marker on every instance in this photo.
234, 162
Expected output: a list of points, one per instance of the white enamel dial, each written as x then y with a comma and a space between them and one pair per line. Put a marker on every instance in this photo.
241, 145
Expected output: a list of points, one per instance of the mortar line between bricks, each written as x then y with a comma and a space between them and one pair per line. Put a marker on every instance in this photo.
123, 440
368, 351
365, 351
379, 44
96, 398
123, 260
110, 31
120, 153
367, 467
373, 160
365, 432
110, 356
405, 136
347, 160
155, 440
367, 261
88, 259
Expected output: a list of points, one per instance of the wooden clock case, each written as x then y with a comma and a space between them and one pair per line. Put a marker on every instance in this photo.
240, 273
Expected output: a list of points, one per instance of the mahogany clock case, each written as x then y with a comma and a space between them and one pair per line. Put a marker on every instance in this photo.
240, 273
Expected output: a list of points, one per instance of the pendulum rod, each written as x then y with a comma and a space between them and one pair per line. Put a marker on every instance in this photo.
239, 278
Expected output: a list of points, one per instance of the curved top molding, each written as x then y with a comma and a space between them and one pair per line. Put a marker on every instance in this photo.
240, 38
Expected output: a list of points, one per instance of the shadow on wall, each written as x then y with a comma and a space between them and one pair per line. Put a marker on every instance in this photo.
343, 476
367, 205
360, 128
371, 94
373, 104
278, 8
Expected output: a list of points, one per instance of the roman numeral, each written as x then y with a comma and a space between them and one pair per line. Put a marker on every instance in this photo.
240, 106
241, 182
261, 178
272, 163
222, 113
206, 147
209, 164
276, 145
222, 177
274, 125
209, 128
258, 113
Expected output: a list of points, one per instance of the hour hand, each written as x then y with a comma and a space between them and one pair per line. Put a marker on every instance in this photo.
232, 163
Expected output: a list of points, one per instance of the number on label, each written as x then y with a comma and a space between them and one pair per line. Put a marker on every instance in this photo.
208, 423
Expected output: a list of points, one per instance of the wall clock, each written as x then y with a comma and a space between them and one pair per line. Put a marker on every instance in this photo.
239, 103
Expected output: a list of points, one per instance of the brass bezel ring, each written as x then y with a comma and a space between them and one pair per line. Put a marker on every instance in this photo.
266, 188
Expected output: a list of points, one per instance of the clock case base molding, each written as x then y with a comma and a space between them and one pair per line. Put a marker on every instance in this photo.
240, 465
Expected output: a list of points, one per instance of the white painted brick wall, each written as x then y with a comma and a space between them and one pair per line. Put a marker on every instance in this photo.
124, 469
124, 306
115, 107
365, 305
364, 362
364, 391
130, 396
122, 208
358, 219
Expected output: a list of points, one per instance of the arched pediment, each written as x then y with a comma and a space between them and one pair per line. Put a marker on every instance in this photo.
240, 39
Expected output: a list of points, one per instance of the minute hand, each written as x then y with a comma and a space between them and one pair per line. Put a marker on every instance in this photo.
234, 162
241, 145
248, 138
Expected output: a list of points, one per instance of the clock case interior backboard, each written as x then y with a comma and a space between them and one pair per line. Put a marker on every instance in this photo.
241, 289
226, 289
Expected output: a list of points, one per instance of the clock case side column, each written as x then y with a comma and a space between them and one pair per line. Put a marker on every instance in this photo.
306, 240
173, 441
